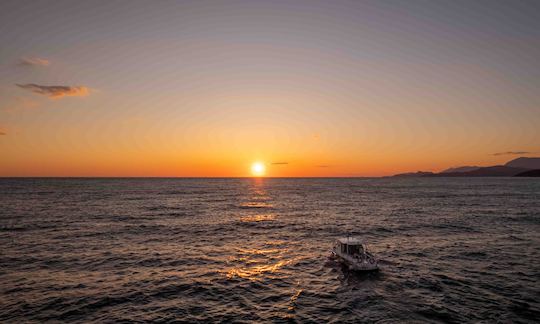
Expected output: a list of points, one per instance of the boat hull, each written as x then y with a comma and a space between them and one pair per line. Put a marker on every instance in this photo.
356, 265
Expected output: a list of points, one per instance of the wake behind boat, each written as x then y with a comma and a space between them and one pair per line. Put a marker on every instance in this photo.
354, 253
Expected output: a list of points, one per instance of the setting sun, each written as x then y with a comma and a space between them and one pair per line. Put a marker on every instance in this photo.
258, 169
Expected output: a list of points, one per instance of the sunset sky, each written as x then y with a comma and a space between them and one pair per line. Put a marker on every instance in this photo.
307, 88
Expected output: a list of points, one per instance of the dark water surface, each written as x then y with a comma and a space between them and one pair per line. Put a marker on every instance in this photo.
95, 250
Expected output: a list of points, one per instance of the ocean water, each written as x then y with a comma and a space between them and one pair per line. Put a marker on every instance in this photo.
103, 250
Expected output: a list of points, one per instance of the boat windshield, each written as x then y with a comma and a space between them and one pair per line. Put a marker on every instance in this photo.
355, 249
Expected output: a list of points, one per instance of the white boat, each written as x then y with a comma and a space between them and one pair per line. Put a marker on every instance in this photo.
355, 254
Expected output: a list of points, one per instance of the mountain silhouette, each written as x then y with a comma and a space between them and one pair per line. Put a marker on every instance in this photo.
523, 167
414, 174
461, 169
530, 173
525, 163
493, 171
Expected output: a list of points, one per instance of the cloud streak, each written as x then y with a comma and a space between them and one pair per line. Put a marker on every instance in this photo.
55, 92
512, 153
2, 133
280, 163
33, 61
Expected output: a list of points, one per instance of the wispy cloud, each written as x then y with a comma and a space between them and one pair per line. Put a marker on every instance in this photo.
512, 153
55, 92
2, 133
280, 163
323, 166
33, 61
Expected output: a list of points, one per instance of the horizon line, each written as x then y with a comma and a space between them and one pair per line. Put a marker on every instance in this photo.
177, 177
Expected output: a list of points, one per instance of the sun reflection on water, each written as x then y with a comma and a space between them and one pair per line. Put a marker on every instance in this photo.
293, 299
253, 273
258, 263
258, 218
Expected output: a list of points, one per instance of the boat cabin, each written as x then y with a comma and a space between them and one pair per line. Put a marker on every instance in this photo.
350, 246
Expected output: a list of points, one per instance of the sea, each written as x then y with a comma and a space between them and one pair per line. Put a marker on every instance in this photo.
99, 250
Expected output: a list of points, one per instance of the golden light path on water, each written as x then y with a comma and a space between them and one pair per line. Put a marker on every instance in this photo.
261, 264
256, 263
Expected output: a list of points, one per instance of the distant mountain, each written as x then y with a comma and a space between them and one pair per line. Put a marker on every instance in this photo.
530, 173
413, 174
461, 169
522, 167
532, 163
493, 171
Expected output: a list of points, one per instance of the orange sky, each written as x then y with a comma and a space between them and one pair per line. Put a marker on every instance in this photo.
308, 88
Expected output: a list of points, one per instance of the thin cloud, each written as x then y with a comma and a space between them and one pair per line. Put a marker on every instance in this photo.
55, 92
280, 163
33, 61
2, 133
323, 166
512, 153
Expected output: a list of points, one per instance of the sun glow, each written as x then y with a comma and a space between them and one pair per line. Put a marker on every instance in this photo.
258, 169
